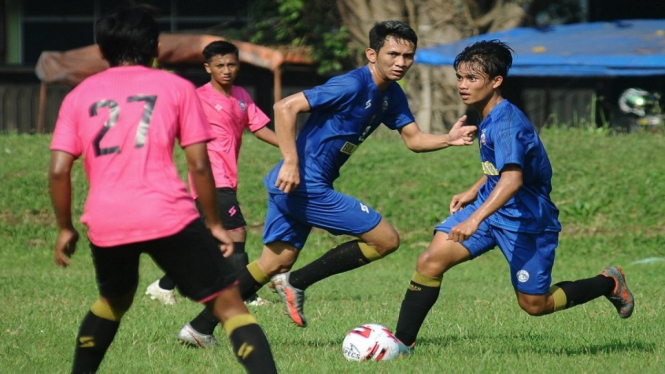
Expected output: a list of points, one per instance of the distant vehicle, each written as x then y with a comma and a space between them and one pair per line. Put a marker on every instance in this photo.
641, 110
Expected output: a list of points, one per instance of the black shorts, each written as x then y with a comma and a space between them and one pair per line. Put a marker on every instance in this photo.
191, 258
229, 209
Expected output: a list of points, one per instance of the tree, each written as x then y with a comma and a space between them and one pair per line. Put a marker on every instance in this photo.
313, 24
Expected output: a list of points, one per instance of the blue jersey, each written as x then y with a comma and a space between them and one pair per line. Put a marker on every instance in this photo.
508, 137
344, 112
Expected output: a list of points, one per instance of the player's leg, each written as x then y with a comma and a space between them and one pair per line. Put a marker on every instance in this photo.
250, 344
341, 214
531, 259
234, 221
213, 283
425, 285
116, 271
338, 214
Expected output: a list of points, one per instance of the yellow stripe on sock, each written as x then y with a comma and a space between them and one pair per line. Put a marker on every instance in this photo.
426, 281
370, 253
103, 310
257, 273
560, 299
237, 321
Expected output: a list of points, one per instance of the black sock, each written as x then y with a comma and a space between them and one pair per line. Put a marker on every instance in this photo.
94, 338
205, 322
252, 349
583, 290
417, 302
239, 260
247, 284
166, 283
340, 259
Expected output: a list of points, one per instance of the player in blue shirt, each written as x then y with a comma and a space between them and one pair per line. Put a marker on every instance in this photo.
344, 112
509, 207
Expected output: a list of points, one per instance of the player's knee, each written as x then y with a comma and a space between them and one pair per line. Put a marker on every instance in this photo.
432, 264
388, 244
534, 306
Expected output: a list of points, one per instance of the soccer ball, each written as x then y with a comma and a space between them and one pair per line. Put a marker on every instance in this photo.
370, 342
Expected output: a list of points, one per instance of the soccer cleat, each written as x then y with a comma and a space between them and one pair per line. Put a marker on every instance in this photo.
166, 297
257, 301
621, 297
404, 350
187, 335
293, 299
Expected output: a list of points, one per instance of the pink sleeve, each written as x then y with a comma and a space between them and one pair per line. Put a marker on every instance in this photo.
256, 118
194, 126
65, 135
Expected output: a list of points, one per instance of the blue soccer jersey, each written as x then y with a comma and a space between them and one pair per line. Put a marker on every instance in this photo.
344, 112
508, 137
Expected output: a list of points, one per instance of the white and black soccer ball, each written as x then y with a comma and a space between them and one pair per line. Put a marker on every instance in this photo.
370, 342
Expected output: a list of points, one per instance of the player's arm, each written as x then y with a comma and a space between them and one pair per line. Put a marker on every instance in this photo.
267, 135
419, 141
508, 185
204, 184
460, 200
286, 112
60, 188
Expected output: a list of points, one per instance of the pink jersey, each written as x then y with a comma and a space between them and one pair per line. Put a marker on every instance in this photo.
124, 121
228, 118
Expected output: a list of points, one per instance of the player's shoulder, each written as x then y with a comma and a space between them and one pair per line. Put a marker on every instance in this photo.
354, 78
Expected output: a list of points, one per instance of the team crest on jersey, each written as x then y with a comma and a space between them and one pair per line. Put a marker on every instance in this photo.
385, 103
218, 107
349, 148
483, 140
368, 104
522, 276
242, 106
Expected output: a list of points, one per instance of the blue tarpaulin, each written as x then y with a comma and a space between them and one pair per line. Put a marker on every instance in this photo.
596, 49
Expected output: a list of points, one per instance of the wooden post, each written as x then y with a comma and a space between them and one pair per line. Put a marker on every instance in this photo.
277, 83
42, 108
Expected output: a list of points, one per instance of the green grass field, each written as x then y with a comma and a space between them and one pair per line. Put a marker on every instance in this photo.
610, 190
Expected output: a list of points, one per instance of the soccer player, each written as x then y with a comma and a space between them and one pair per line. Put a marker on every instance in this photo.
230, 110
124, 121
508, 207
343, 113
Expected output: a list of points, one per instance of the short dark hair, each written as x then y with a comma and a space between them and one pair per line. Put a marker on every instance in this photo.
219, 47
397, 29
129, 35
494, 57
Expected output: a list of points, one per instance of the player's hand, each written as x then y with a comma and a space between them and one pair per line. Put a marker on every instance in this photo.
460, 134
224, 239
288, 178
463, 231
461, 200
65, 246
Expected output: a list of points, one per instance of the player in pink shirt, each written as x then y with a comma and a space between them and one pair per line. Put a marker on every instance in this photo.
124, 122
230, 111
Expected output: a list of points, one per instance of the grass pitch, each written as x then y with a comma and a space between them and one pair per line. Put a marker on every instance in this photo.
610, 190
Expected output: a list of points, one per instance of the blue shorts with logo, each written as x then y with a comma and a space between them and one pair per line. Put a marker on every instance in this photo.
530, 256
290, 217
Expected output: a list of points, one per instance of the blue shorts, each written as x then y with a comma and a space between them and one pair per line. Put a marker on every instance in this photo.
530, 256
290, 217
